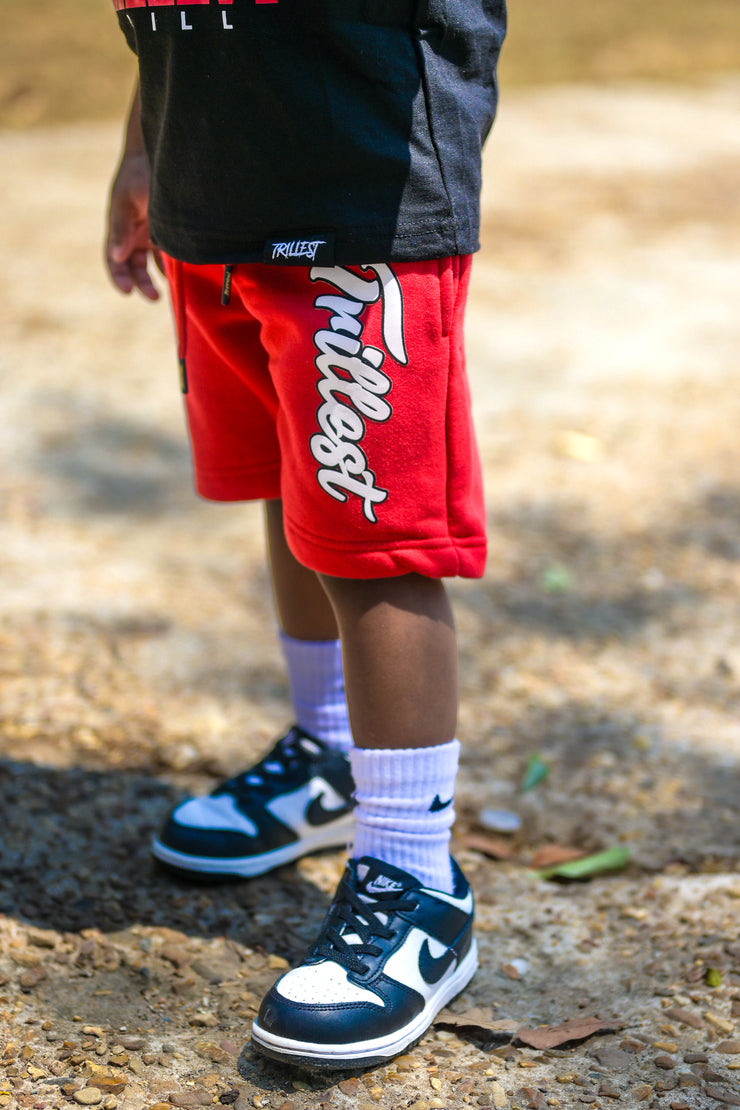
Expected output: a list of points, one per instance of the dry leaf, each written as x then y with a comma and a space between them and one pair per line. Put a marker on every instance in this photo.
494, 846
552, 1036
551, 854
476, 1023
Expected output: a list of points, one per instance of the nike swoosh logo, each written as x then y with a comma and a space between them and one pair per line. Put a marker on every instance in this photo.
318, 814
438, 804
431, 969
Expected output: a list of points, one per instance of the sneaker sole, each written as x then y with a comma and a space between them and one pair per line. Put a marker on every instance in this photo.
335, 835
323, 1057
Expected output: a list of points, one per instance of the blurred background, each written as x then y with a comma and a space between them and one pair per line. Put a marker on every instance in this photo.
64, 61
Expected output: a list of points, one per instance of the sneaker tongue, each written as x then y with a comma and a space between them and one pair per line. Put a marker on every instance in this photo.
377, 879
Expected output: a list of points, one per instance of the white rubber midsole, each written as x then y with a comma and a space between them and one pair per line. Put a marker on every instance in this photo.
389, 1045
333, 835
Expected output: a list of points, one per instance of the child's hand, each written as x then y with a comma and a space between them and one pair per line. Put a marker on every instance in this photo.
128, 245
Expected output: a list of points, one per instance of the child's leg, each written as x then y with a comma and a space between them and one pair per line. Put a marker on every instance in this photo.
400, 660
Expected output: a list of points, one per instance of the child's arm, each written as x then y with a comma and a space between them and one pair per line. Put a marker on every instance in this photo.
127, 243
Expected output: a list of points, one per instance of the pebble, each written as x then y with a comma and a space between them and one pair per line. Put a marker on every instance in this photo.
607, 1090
721, 1095
88, 1096
190, 1100
696, 1058
500, 820
686, 1079
498, 1095
719, 1023
665, 1062
642, 1092
728, 1048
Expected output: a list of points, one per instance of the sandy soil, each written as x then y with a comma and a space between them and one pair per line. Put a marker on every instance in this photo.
138, 658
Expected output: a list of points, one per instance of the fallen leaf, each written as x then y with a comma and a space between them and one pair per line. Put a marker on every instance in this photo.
578, 1029
476, 1024
556, 578
549, 855
493, 846
610, 860
535, 772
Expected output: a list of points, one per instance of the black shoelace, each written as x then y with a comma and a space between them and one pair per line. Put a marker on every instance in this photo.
351, 915
279, 765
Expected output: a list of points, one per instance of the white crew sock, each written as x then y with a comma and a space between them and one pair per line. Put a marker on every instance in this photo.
316, 683
404, 809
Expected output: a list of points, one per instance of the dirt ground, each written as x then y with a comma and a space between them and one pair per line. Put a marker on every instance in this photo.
138, 657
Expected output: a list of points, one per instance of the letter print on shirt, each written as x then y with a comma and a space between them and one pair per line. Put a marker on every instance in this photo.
352, 385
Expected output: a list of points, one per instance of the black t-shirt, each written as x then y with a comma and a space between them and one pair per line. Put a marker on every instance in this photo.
332, 131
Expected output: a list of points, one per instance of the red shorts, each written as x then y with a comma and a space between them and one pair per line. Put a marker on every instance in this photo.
342, 391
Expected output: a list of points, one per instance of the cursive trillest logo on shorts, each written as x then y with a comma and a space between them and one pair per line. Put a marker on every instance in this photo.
352, 385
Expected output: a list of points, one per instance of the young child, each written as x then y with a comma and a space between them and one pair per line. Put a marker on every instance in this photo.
308, 172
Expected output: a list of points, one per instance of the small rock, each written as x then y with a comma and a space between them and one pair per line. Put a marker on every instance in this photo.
728, 1048
27, 980
606, 1090
42, 938
685, 1017
277, 963
696, 1058
205, 1019
615, 1058
93, 1031
212, 1052
642, 1092
676, 1105
729, 1098
719, 1023
664, 1062
665, 1046
132, 1043
230, 1097
498, 1095
88, 1096
349, 1086
686, 1079
110, 1102
189, 1100
206, 972
500, 820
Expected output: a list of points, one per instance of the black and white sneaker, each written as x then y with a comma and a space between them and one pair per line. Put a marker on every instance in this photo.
296, 800
391, 953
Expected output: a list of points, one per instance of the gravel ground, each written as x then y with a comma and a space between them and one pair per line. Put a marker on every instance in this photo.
138, 658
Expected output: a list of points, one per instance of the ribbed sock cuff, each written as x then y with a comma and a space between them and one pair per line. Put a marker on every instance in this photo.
316, 683
405, 808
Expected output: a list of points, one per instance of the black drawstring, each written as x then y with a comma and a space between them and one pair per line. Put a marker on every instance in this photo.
226, 288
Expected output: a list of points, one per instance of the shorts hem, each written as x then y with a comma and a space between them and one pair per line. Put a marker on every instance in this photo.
443, 557
238, 485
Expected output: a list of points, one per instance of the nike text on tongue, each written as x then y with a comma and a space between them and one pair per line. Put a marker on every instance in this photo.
381, 884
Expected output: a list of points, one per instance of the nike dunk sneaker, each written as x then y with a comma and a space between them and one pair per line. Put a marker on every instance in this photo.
391, 953
296, 800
